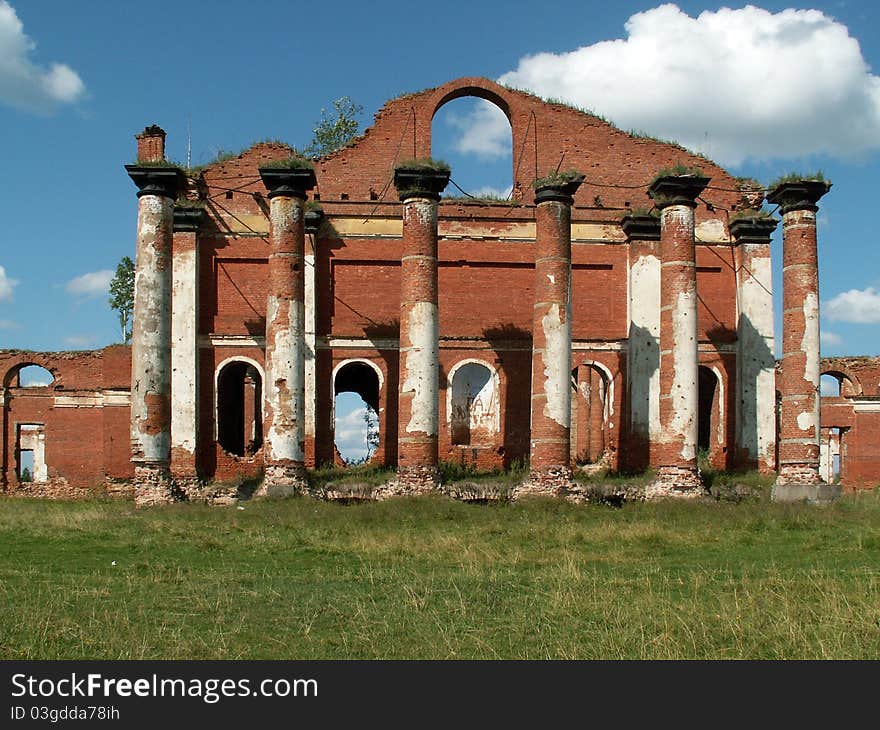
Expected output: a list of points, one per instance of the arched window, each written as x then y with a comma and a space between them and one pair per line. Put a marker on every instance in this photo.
356, 386
590, 410
31, 376
475, 137
829, 385
473, 404
239, 408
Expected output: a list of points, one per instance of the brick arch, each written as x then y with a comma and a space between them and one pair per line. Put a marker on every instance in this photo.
15, 364
842, 375
517, 107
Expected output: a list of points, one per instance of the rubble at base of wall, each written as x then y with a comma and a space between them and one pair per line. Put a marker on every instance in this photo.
552, 482
153, 486
283, 480
414, 480
676, 482
58, 488
799, 474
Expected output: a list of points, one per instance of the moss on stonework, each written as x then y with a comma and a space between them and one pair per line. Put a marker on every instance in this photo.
794, 177
750, 213
289, 163
166, 164
677, 170
556, 179
423, 164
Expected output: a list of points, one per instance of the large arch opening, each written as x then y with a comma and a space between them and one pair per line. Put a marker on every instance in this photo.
475, 137
356, 387
473, 404
239, 408
30, 376
590, 410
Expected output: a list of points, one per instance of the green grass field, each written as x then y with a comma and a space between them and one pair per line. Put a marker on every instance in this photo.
433, 578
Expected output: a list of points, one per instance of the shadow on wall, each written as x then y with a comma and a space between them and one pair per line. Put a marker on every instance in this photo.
644, 362
513, 356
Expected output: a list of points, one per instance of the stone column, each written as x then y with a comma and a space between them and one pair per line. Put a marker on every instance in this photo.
550, 440
643, 348
755, 360
798, 469
158, 186
184, 347
313, 219
418, 395
284, 417
676, 451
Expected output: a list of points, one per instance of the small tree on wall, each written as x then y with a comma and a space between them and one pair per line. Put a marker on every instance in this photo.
336, 130
122, 296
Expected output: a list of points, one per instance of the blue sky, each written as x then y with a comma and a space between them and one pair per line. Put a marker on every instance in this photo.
763, 91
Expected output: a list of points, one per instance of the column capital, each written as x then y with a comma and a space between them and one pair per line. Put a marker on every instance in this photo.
794, 195
421, 179
313, 219
558, 187
188, 218
290, 181
752, 228
163, 179
641, 227
669, 190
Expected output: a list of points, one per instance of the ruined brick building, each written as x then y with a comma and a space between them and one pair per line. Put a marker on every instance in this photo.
570, 325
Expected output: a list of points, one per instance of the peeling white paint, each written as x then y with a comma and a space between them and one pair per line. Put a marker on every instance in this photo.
644, 350
551, 278
806, 421
423, 210
810, 341
711, 231
756, 365
310, 326
557, 366
422, 368
684, 394
151, 325
285, 381
184, 351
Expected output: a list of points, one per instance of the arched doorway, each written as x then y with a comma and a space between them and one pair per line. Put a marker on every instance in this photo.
239, 408
473, 404
590, 407
356, 430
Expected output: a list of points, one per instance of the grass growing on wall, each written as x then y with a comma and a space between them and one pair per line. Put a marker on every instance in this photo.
433, 578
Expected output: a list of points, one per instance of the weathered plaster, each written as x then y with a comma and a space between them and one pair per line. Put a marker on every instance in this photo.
422, 368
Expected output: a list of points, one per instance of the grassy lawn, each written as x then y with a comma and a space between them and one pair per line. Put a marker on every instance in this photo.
433, 578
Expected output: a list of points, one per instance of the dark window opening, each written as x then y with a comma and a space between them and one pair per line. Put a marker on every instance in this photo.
239, 409
708, 384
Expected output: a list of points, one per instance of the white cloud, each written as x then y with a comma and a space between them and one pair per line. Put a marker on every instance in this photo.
24, 84
733, 84
827, 337
8, 324
92, 284
485, 131
6, 285
79, 340
861, 306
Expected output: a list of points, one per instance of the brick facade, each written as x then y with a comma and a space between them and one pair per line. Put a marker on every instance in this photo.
486, 293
